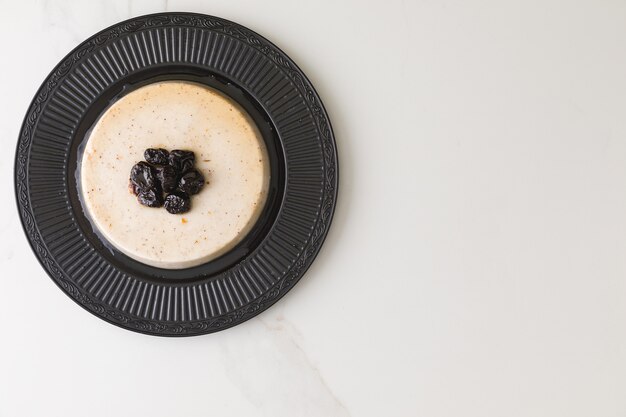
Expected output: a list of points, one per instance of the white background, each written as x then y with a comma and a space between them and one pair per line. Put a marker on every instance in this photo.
476, 263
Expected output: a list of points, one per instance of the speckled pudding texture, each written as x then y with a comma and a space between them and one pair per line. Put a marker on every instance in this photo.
229, 150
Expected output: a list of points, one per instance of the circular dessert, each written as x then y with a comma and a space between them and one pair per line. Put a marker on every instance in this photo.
229, 153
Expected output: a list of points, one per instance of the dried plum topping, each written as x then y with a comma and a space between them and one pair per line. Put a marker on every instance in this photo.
191, 182
166, 175
177, 203
182, 161
150, 198
172, 173
142, 177
156, 156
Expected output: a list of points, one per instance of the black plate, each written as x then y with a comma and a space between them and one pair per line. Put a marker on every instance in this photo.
272, 257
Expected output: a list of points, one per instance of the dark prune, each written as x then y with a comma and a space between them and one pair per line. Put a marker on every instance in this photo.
182, 161
156, 156
191, 182
177, 203
167, 177
150, 198
142, 178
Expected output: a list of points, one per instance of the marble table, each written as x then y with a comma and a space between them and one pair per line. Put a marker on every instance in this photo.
476, 263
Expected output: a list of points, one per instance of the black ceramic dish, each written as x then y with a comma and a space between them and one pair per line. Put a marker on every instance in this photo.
272, 257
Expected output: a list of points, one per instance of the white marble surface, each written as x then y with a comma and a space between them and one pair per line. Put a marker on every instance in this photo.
476, 263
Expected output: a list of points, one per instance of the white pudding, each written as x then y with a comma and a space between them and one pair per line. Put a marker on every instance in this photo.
229, 151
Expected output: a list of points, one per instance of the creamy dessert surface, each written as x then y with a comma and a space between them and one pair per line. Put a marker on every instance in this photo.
229, 150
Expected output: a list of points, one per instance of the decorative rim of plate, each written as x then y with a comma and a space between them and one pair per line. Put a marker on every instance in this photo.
210, 303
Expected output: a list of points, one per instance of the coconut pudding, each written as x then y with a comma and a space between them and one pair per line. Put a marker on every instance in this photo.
229, 153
